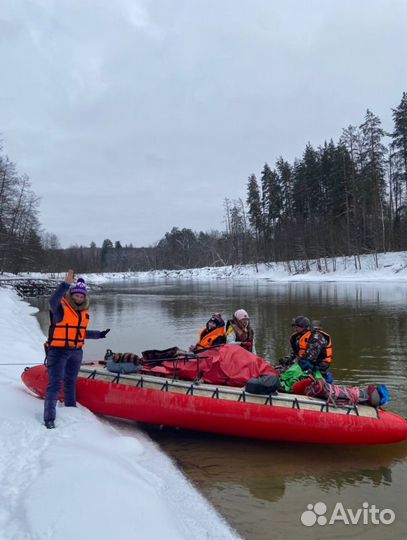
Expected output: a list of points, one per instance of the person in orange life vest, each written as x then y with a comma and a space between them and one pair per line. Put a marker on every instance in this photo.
69, 319
212, 334
311, 347
239, 331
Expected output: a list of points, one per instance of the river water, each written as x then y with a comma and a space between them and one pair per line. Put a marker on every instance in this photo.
263, 488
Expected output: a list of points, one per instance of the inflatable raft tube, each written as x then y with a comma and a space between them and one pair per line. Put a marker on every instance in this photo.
225, 410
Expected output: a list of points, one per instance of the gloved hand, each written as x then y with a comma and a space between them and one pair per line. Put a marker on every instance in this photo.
324, 366
104, 332
306, 365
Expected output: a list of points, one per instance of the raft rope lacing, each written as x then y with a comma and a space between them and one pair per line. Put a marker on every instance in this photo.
324, 406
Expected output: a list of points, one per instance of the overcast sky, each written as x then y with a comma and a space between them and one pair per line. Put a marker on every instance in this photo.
131, 117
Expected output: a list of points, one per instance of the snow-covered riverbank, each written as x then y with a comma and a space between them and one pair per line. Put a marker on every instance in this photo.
83, 480
383, 267
386, 266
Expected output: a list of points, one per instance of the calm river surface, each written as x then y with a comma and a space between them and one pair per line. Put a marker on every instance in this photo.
262, 488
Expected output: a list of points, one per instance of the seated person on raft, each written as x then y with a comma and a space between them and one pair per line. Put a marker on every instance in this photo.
239, 331
311, 346
212, 335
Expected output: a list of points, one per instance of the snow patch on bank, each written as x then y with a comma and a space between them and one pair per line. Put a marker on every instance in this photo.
84, 480
365, 268
377, 267
380, 267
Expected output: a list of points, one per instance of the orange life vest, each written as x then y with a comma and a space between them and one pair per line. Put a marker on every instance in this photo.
70, 332
328, 351
207, 339
300, 347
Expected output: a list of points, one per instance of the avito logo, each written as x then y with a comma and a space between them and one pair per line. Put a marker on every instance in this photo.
367, 515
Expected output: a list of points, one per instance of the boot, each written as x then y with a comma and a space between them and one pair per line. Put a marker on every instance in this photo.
49, 424
50, 409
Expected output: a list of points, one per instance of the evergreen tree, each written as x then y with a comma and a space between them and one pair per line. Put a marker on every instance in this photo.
107, 247
284, 171
272, 205
255, 206
399, 137
275, 199
307, 185
399, 152
351, 139
372, 176
265, 192
336, 188
398, 174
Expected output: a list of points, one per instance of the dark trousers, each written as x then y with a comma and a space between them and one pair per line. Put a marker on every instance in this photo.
63, 365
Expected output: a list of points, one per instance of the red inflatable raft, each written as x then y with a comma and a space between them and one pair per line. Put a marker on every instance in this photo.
220, 409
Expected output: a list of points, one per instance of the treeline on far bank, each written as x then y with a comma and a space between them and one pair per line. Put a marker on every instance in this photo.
344, 198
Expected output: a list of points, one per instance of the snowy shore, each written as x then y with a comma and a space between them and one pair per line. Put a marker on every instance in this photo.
381, 267
83, 480
387, 266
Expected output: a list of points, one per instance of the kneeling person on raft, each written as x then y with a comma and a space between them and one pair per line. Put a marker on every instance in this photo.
311, 346
69, 320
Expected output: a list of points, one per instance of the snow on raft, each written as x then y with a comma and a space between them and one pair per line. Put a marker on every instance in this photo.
158, 399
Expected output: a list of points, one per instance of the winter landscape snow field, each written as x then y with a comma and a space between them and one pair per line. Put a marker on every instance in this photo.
84, 480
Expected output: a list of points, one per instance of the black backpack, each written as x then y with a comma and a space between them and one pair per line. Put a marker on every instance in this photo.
265, 384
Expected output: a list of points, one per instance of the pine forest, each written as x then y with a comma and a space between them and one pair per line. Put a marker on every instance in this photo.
341, 198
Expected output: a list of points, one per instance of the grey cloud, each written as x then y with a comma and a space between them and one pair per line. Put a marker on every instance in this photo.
160, 109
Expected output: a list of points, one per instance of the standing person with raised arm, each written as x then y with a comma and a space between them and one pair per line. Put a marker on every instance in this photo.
69, 320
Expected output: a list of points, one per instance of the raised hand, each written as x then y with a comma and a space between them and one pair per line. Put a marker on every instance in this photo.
70, 277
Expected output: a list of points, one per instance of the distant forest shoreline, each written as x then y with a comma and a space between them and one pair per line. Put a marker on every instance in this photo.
340, 199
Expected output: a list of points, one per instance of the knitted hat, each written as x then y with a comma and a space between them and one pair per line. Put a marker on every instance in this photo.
241, 314
217, 319
79, 287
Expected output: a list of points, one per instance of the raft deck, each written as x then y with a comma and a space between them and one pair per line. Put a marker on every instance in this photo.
210, 391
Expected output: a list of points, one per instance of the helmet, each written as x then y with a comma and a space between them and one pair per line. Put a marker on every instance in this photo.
301, 321
241, 314
317, 325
